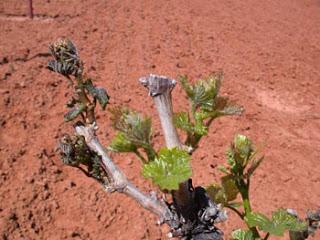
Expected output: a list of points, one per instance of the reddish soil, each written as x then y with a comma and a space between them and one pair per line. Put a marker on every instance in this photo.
269, 51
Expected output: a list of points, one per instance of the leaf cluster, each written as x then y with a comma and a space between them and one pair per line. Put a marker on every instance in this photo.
68, 63
241, 158
75, 152
97, 93
206, 105
280, 221
134, 132
242, 161
224, 193
169, 168
80, 104
66, 59
241, 164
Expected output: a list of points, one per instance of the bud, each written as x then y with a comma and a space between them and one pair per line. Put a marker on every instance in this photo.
66, 59
63, 50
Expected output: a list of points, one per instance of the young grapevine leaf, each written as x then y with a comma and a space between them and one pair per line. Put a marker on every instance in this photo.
121, 144
230, 188
241, 234
74, 112
206, 105
217, 194
224, 193
101, 95
64, 68
231, 160
223, 169
282, 217
280, 222
182, 120
135, 128
224, 107
202, 94
240, 154
200, 128
135, 132
97, 93
170, 168
258, 220
230, 110
67, 61
243, 147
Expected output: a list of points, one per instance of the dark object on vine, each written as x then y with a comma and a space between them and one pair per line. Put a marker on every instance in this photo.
205, 213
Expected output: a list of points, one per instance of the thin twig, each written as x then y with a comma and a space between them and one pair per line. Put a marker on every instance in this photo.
236, 211
119, 182
83, 97
139, 155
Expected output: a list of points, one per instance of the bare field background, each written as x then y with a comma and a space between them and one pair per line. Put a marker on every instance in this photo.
269, 51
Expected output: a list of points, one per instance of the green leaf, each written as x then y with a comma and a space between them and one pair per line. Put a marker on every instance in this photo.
97, 93
67, 61
243, 146
201, 115
240, 234
200, 129
230, 110
186, 85
217, 194
280, 222
102, 97
135, 128
64, 68
182, 120
121, 144
170, 168
203, 92
258, 220
230, 188
231, 159
74, 112
290, 222
234, 204
240, 153
223, 169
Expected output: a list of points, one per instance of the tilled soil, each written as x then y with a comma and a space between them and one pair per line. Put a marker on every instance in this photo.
270, 54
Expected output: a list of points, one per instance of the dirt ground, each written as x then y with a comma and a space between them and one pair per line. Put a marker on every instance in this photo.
270, 54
